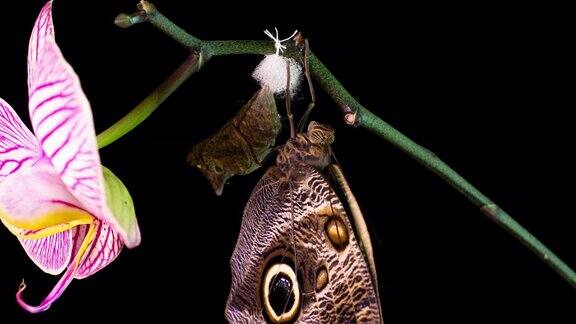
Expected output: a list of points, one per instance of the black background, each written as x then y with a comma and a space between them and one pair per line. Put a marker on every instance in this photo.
491, 95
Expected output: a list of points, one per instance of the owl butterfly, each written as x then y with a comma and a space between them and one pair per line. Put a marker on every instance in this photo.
297, 258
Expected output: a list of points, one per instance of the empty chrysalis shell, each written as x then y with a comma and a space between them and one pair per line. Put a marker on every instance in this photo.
239, 147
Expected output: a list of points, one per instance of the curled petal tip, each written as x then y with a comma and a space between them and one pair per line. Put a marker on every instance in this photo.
22, 286
26, 306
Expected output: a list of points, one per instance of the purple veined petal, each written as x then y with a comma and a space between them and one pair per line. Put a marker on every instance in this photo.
35, 203
52, 253
62, 120
78, 237
38, 208
104, 250
61, 116
43, 30
18, 147
65, 280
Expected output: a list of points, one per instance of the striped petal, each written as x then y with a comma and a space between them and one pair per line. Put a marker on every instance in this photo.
66, 279
18, 146
37, 208
104, 250
35, 203
63, 124
42, 33
52, 253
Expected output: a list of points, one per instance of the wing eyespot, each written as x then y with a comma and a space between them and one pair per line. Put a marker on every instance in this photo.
281, 296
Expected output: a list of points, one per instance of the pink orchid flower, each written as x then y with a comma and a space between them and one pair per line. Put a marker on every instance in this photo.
54, 194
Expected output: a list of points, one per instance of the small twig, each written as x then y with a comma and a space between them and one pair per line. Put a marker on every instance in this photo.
125, 20
147, 12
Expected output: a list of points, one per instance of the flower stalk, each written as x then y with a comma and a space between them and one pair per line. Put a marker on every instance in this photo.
147, 106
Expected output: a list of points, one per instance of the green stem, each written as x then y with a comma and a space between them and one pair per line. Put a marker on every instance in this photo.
357, 115
376, 125
157, 19
150, 103
235, 47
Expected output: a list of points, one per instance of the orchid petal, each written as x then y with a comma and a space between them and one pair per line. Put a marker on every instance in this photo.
42, 33
120, 203
37, 207
104, 250
18, 146
52, 253
63, 283
109, 243
78, 237
36, 203
62, 120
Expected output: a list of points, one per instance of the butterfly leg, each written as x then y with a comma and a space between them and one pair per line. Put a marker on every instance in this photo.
312, 103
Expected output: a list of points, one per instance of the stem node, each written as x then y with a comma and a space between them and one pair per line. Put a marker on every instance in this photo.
147, 7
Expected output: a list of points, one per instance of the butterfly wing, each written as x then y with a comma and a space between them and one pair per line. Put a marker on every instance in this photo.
297, 258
